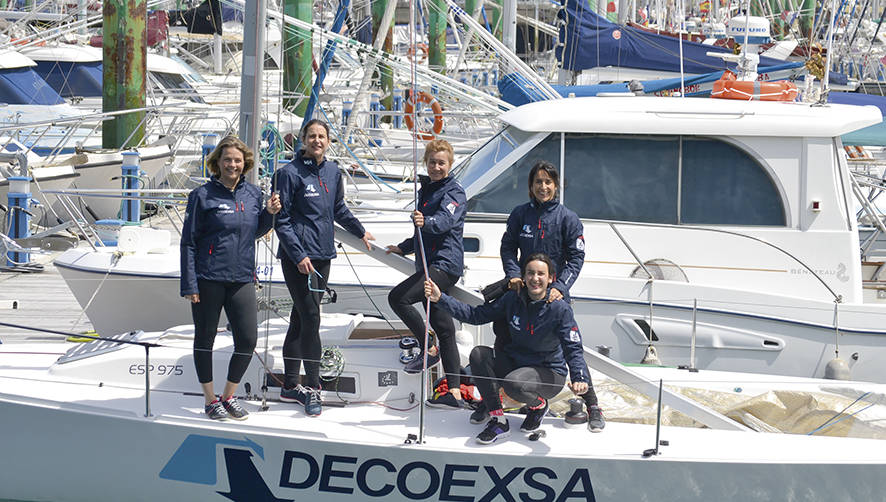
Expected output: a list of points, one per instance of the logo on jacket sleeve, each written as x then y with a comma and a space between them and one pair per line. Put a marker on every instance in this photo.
451, 207
574, 335
580, 243
310, 191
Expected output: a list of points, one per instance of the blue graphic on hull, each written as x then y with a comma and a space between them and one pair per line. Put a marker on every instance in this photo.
194, 461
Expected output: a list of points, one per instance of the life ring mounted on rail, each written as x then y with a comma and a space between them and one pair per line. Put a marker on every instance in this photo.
410, 109
730, 88
421, 49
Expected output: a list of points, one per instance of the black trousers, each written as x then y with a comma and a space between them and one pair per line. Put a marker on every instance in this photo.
302, 342
411, 291
238, 300
493, 370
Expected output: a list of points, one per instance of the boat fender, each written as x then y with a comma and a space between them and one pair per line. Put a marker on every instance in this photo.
409, 110
837, 369
651, 356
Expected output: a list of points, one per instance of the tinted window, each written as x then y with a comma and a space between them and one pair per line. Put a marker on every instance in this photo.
627, 178
511, 188
722, 185
503, 143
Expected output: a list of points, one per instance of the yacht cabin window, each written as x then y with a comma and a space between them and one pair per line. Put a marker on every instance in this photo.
643, 178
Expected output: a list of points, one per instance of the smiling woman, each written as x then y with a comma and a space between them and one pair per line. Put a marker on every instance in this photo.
223, 219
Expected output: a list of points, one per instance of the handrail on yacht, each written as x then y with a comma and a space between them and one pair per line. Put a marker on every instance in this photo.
837, 298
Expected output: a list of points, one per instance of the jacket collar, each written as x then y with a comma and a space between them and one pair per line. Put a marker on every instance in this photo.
432, 186
544, 206
214, 179
524, 297
308, 161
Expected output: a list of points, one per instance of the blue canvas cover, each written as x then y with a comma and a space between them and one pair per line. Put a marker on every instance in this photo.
590, 41
24, 86
73, 79
517, 91
874, 135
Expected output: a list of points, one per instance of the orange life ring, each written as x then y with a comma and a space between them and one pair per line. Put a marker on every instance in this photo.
409, 110
730, 88
422, 49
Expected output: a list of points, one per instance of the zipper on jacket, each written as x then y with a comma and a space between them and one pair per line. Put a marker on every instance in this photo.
210, 249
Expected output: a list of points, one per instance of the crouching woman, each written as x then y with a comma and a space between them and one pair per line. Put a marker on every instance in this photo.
542, 347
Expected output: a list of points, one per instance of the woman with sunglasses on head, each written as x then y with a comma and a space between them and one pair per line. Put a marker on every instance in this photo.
312, 196
544, 346
222, 221
439, 219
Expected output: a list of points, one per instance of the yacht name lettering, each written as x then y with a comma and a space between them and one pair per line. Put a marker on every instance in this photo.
839, 272
378, 477
160, 369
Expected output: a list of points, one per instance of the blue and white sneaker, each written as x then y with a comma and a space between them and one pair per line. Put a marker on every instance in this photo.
497, 428
306, 396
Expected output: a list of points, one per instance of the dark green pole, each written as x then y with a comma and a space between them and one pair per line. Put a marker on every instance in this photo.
437, 35
807, 17
123, 84
385, 73
494, 14
297, 57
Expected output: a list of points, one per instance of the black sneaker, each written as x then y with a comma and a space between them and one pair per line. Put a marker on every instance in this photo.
533, 419
445, 401
480, 415
216, 411
235, 411
595, 419
415, 365
496, 429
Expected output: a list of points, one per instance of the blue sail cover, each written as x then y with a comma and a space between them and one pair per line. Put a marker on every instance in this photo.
23, 86
874, 135
517, 91
69, 79
589, 41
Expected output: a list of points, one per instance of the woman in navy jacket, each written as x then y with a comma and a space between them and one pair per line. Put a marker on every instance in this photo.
543, 347
312, 195
224, 218
440, 218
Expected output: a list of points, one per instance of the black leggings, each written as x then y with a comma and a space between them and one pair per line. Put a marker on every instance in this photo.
303, 336
525, 384
412, 290
238, 300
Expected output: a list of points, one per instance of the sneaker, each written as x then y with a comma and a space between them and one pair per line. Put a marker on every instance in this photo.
480, 415
234, 410
595, 419
414, 366
215, 410
290, 395
496, 429
533, 419
310, 398
445, 401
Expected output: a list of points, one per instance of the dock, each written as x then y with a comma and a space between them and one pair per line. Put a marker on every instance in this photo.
39, 300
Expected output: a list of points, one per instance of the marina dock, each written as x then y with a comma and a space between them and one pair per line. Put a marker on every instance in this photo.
39, 300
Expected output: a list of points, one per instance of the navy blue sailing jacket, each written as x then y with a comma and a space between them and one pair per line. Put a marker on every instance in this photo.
443, 204
218, 237
541, 333
312, 197
550, 228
